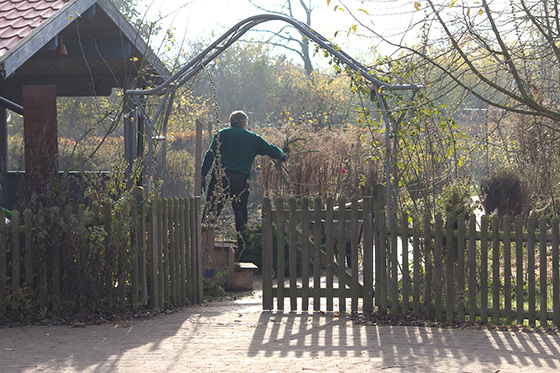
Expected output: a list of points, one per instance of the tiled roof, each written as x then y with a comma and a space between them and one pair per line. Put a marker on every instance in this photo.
18, 18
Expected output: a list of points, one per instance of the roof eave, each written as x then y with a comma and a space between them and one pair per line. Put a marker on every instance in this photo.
45, 32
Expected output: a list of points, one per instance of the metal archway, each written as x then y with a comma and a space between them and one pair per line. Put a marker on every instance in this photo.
168, 88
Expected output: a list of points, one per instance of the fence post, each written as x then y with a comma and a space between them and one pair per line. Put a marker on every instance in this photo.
317, 234
354, 244
280, 257
450, 269
484, 269
108, 226
3, 263
16, 250
197, 232
329, 228
461, 297
416, 267
555, 273
543, 272
507, 268
428, 261
29, 257
267, 253
531, 270
368, 254
438, 263
305, 254
183, 251
519, 269
292, 254
342, 254
496, 269
134, 252
381, 258
472, 268
153, 290
405, 271
378, 203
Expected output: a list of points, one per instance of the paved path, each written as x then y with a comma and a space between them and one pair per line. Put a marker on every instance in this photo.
235, 335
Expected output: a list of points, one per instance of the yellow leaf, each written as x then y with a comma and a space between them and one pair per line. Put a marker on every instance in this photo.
363, 10
452, 3
417, 5
480, 12
380, 88
328, 2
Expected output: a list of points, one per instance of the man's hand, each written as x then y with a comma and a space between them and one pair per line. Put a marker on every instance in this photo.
203, 183
284, 157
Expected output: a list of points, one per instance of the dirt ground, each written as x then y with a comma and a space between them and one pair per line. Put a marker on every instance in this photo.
235, 335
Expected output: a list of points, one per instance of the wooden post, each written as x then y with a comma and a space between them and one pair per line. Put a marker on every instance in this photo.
438, 292
368, 254
543, 278
555, 272
484, 269
531, 270
280, 254
330, 253
292, 254
507, 268
305, 255
40, 136
519, 269
496, 270
267, 254
341, 254
472, 268
461, 267
317, 235
449, 269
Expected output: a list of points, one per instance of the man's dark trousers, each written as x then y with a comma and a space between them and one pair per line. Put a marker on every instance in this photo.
235, 187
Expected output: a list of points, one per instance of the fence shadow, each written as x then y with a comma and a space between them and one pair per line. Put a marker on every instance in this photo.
302, 335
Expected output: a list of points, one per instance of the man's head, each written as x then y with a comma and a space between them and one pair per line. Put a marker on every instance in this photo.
238, 119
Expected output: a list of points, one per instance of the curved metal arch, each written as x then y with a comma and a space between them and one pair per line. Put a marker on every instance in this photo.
237, 31
194, 66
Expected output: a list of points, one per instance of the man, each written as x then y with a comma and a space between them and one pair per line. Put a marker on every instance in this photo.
231, 155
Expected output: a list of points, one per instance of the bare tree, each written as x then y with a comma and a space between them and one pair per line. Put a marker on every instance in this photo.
297, 44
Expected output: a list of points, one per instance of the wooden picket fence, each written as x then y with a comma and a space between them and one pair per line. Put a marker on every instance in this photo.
153, 260
483, 270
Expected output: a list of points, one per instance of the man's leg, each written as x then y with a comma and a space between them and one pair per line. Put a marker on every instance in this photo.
216, 196
240, 198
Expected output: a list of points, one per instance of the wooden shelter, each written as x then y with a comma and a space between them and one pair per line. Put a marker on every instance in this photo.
54, 48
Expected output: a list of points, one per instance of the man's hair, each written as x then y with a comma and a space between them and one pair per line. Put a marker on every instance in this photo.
237, 118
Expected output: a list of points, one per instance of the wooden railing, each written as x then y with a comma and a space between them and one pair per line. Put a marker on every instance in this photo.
145, 254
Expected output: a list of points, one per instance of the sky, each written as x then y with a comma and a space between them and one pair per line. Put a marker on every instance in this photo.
211, 18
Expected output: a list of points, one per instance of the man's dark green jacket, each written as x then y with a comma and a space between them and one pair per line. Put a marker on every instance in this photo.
238, 148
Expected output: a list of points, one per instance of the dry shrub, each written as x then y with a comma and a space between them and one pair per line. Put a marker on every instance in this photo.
322, 164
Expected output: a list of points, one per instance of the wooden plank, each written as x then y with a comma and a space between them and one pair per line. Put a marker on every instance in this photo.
405, 263
165, 252
134, 251
317, 234
381, 287
449, 269
438, 259
16, 250
341, 254
177, 250
484, 269
543, 272
152, 257
416, 267
555, 272
171, 250
267, 242
56, 267
519, 296
531, 270
280, 257
196, 231
496, 281
354, 252
330, 253
305, 252
29, 254
472, 268
368, 292
428, 263
394, 264
159, 237
292, 253
507, 269
3, 263
461, 267
378, 203
183, 250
